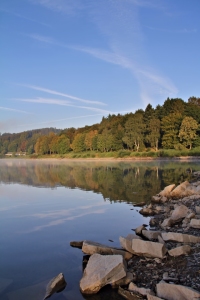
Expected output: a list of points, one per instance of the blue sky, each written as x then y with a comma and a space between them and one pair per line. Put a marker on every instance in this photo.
67, 63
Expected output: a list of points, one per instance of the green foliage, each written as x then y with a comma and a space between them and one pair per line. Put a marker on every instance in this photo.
174, 125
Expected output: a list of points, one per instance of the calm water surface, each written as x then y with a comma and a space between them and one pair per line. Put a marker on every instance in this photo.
45, 205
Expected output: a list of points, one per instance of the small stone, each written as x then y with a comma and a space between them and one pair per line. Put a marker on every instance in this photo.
56, 285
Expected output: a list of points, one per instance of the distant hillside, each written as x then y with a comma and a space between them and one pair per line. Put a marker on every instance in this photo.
174, 125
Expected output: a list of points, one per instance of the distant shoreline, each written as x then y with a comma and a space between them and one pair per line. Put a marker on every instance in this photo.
113, 159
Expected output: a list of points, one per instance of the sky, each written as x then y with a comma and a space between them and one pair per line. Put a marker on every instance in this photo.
68, 63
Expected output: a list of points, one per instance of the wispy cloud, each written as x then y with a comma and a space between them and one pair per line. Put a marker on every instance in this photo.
60, 102
23, 17
67, 7
52, 92
15, 110
61, 216
175, 31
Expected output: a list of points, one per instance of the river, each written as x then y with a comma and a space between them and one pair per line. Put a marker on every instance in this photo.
46, 204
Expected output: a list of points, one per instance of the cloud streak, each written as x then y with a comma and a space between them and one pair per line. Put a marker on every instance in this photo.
69, 7
23, 17
52, 92
13, 109
60, 102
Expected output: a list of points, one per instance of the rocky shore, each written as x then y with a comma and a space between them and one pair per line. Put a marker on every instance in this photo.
160, 263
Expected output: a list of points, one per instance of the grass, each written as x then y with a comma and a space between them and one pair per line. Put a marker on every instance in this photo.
164, 153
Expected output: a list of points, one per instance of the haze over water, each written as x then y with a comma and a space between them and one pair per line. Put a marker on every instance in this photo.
45, 205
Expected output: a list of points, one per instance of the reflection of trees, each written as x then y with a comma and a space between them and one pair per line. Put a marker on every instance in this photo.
130, 182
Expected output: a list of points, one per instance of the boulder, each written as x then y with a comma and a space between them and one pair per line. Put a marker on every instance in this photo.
146, 211
126, 242
180, 237
194, 223
197, 208
167, 190
184, 189
150, 297
182, 250
148, 249
100, 271
129, 295
176, 292
160, 240
139, 229
179, 213
144, 292
166, 223
156, 199
190, 216
123, 281
151, 235
56, 285
90, 248
76, 244
163, 199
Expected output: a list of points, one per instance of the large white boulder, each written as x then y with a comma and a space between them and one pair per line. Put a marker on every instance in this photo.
100, 271
176, 292
184, 189
148, 249
90, 248
180, 237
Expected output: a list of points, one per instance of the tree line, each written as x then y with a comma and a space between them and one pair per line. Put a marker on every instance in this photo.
173, 125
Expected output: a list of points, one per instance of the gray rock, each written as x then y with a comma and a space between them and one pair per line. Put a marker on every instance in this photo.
176, 292
180, 237
90, 248
182, 250
148, 249
56, 285
100, 271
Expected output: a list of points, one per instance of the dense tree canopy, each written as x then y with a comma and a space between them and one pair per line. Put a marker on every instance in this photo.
173, 125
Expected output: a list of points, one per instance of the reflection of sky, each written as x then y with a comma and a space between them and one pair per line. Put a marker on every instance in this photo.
37, 225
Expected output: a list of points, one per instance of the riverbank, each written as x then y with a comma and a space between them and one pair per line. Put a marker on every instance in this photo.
104, 159
163, 260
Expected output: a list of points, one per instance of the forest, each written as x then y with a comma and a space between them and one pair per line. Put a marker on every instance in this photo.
173, 125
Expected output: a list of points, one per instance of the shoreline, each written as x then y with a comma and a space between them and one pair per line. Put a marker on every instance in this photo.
113, 159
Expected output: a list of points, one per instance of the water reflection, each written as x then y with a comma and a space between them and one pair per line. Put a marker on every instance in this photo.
130, 182
45, 205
